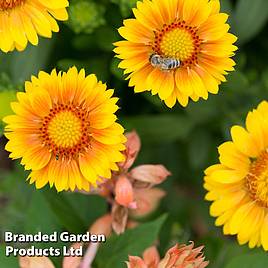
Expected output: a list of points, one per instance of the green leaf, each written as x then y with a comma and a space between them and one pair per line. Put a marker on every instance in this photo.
8, 262
6, 97
265, 78
133, 242
249, 18
160, 128
256, 260
90, 206
226, 6
199, 148
65, 212
34, 215
5, 83
237, 81
30, 61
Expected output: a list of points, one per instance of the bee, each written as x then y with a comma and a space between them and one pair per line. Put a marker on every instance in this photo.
57, 157
164, 63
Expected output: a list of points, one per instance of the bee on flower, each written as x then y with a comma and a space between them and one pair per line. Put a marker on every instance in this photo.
178, 49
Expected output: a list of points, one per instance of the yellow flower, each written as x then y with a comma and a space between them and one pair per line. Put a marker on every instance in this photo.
64, 130
238, 186
190, 32
23, 20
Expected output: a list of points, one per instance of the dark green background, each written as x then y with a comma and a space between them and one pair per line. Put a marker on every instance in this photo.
185, 140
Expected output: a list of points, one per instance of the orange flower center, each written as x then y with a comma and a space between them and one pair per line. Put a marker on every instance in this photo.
178, 41
66, 131
257, 180
9, 4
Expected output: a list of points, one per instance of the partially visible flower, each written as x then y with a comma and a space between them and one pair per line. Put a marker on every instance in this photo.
34, 262
238, 185
72, 261
102, 225
150, 259
65, 130
24, 20
133, 146
178, 49
179, 256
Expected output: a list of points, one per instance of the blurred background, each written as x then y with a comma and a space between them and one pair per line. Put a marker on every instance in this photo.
185, 140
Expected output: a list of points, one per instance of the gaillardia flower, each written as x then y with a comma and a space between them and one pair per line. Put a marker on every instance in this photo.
238, 186
23, 20
178, 49
65, 130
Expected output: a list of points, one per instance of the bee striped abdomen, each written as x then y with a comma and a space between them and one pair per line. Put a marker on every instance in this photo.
165, 64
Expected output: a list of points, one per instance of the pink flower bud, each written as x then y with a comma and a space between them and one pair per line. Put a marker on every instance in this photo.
34, 262
136, 262
72, 261
151, 257
124, 192
153, 174
133, 146
102, 225
147, 201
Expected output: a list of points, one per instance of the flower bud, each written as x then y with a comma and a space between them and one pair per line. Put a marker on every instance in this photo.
136, 262
124, 192
154, 174
133, 146
151, 257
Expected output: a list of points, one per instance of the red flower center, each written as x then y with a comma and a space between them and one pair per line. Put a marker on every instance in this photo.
178, 41
9, 4
66, 131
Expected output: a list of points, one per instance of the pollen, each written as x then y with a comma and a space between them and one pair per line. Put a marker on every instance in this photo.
178, 41
66, 131
9, 4
257, 180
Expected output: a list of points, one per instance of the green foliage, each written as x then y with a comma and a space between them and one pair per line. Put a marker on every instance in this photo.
6, 98
150, 132
85, 16
249, 18
125, 6
116, 250
185, 140
10, 262
256, 260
